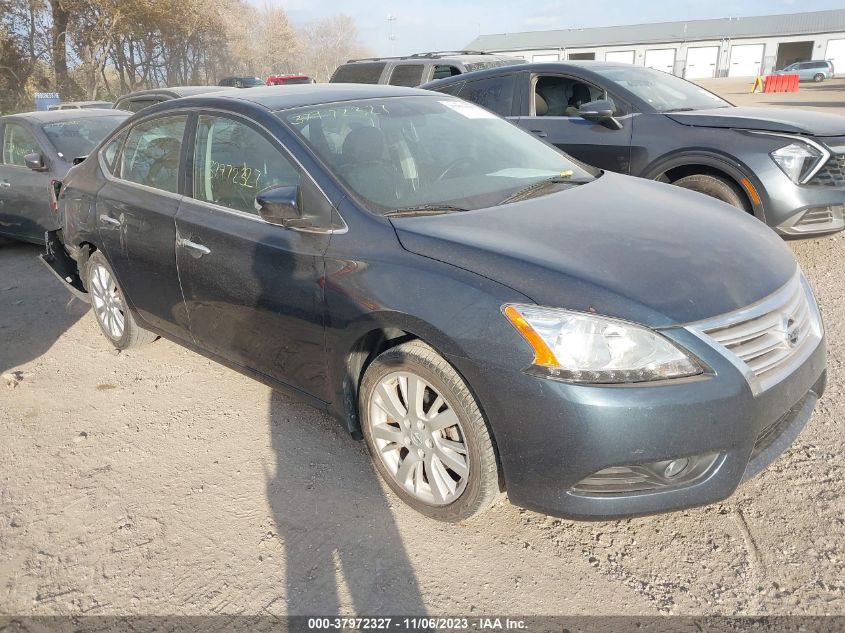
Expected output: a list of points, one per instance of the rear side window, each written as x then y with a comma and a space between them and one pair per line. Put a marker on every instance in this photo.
366, 73
233, 162
17, 143
407, 75
493, 93
151, 155
452, 89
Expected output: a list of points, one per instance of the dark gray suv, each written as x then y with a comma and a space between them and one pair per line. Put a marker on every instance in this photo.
786, 167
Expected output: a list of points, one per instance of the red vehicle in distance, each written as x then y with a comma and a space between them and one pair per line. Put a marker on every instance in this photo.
282, 80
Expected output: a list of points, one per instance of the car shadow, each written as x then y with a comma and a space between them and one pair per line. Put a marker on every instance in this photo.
343, 550
34, 308
810, 104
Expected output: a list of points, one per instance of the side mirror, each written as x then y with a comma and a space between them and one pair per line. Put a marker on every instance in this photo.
281, 206
601, 112
34, 161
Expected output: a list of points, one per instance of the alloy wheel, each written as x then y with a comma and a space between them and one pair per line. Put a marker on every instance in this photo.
107, 302
419, 438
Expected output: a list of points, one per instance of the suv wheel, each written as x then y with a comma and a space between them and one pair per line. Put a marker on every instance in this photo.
110, 308
818, 77
426, 434
717, 187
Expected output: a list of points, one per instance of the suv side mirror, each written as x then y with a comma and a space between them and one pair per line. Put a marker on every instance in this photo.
34, 161
281, 206
601, 112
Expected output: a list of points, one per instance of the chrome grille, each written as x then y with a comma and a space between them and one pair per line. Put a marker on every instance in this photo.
832, 173
770, 339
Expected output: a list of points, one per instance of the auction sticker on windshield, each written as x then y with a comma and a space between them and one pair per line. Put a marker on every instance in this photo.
469, 110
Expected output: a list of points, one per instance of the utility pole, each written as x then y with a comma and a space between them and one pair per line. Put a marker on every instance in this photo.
390, 35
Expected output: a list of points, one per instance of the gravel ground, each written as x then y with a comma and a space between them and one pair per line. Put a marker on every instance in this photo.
158, 482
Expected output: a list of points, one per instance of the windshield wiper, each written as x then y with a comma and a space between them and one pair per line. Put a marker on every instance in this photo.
562, 178
423, 209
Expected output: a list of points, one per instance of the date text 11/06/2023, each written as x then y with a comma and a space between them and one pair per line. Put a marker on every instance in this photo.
416, 623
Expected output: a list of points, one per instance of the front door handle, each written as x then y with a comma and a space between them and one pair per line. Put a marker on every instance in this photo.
107, 219
199, 249
540, 133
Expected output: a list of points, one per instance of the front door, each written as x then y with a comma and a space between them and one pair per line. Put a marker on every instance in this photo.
24, 194
253, 289
553, 116
136, 221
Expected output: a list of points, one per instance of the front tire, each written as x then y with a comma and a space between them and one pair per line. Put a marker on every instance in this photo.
426, 434
110, 307
717, 187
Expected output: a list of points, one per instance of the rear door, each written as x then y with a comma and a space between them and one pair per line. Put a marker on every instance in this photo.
553, 116
136, 221
24, 194
253, 289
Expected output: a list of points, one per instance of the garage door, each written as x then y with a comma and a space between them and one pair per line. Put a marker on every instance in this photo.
661, 59
620, 57
701, 62
545, 58
836, 54
745, 60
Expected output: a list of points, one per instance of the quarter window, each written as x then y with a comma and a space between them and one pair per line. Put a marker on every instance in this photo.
111, 150
365, 73
233, 162
151, 156
17, 143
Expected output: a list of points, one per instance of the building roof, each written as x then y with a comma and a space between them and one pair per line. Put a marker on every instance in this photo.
691, 30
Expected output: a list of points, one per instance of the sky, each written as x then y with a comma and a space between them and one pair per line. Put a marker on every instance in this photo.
429, 25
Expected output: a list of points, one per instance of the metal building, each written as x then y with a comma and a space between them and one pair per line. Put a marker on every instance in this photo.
725, 47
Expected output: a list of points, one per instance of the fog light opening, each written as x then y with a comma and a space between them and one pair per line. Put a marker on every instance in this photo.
675, 468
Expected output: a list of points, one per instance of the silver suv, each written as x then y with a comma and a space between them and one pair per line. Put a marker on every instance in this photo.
413, 70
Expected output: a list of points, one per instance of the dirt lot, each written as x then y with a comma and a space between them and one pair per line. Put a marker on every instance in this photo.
158, 482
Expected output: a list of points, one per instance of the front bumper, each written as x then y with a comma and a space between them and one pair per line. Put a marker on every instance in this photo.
552, 435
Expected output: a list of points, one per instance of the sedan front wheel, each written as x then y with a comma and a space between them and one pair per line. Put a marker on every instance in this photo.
427, 435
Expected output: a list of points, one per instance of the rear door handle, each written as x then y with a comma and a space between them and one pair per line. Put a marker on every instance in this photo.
539, 133
107, 219
197, 248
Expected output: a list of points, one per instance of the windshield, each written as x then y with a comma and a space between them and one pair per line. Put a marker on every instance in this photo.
78, 137
664, 92
428, 151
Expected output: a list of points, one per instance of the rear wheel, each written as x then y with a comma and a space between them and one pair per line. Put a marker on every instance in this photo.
818, 77
426, 434
717, 187
110, 308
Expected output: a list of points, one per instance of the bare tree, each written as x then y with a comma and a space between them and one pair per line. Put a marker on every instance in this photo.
328, 44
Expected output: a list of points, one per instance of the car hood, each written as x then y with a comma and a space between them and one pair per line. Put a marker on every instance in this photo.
619, 246
794, 121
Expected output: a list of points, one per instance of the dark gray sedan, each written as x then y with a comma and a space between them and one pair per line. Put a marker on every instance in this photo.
784, 166
39, 147
481, 309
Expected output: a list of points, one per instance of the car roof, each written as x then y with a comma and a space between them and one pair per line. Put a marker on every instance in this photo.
572, 65
461, 56
56, 116
301, 95
175, 92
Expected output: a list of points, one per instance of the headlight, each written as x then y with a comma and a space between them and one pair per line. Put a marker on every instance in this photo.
583, 348
797, 160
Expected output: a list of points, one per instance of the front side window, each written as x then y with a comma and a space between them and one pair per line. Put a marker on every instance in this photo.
563, 96
17, 143
493, 93
151, 155
428, 150
233, 162
78, 137
441, 71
